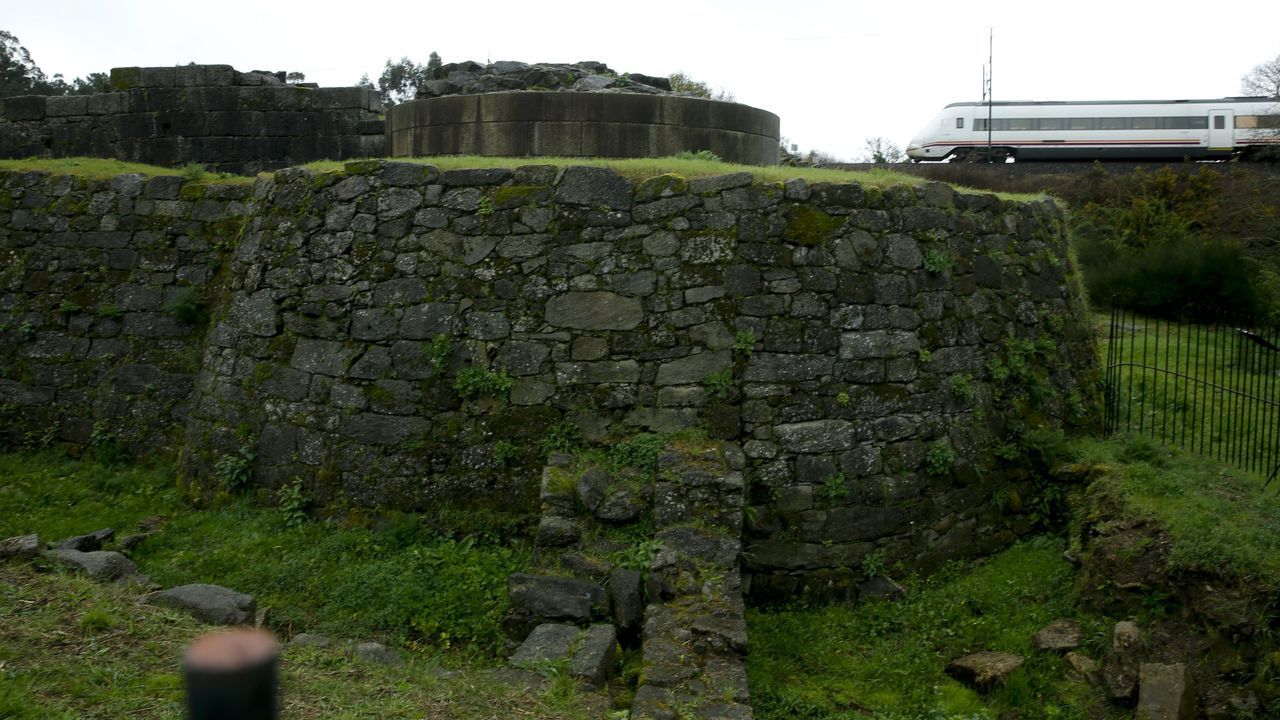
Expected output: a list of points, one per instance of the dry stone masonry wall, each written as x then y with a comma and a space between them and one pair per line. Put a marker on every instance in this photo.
104, 287
229, 121
398, 336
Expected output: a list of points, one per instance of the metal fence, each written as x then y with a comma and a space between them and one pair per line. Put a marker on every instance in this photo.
1206, 385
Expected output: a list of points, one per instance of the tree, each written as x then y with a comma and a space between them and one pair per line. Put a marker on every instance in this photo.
1263, 80
880, 151
294, 78
433, 66
19, 75
684, 84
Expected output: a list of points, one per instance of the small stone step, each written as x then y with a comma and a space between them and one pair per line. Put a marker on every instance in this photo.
213, 604
589, 653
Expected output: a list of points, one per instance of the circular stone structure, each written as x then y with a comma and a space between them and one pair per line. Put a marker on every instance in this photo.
574, 124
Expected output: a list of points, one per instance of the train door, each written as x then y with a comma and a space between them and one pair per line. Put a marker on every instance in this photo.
1221, 131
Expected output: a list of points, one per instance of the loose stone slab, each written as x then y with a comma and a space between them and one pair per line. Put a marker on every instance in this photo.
984, 670
99, 564
210, 603
22, 547
1059, 635
547, 643
1164, 692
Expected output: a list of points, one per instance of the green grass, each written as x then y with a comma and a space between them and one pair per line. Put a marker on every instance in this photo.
639, 169
101, 169
886, 659
72, 648
1153, 361
1219, 518
406, 584
635, 169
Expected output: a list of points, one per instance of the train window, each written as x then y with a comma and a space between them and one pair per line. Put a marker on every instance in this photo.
1020, 123
1198, 123
1219, 122
1081, 124
1052, 124
1113, 123
1144, 123
979, 124
1246, 122
959, 123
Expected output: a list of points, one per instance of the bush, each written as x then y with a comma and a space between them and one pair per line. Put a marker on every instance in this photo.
1148, 242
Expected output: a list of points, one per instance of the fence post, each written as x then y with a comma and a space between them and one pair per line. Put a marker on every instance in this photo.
232, 675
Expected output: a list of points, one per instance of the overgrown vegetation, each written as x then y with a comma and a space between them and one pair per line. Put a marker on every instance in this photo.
73, 648
425, 587
885, 659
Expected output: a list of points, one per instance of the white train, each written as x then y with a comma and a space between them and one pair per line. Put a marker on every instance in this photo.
1102, 130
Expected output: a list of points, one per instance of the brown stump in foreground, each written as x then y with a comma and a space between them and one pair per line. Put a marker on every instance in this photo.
232, 675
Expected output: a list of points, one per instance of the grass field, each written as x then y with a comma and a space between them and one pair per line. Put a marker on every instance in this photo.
404, 583
71, 648
1205, 388
636, 169
886, 659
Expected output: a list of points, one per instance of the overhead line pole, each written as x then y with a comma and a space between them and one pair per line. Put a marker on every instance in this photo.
990, 69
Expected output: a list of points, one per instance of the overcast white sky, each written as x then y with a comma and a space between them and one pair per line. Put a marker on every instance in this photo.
834, 72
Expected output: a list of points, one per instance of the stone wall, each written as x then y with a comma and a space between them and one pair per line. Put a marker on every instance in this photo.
226, 120
396, 336
518, 124
103, 284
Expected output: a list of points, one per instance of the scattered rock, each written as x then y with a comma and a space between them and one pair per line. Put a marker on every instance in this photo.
99, 564
151, 523
627, 603
378, 653
1126, 638
210, 603
556, 531
22, 547
311, 640
86, 543
592, 486
584, 566
880, 588
621, 504
538, 599
1165, 692
590, 652
1059, 635
1120, 670
984, 670
592, 661
548, 642
1082, 664
129, 542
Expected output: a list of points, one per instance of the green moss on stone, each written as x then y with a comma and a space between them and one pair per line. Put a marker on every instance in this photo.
193, 191
808, 225
362, 167
661, 186
514, 195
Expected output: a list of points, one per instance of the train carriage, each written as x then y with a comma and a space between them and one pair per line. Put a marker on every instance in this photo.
1101, 130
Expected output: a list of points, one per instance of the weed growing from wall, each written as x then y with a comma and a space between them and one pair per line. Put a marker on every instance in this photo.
939, 459
719, 383
475, 381
235, 470
938, 262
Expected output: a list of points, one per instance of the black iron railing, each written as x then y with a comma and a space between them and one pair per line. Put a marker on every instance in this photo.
1208, 385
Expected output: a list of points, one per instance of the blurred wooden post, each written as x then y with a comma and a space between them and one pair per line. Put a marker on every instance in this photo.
232, 675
